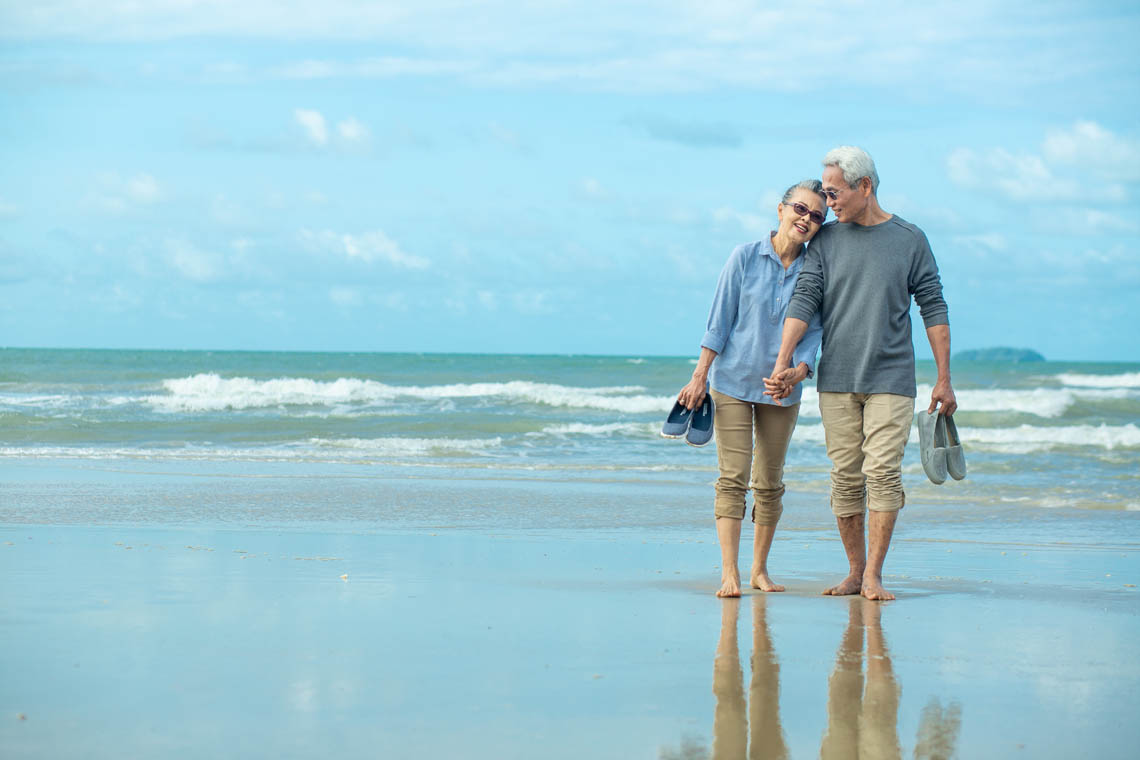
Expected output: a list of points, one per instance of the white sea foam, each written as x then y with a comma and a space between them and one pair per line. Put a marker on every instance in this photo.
317, 449
1125, 380
622, 428
398, 447
1027, 438
52, 401
1041, 402
210, 392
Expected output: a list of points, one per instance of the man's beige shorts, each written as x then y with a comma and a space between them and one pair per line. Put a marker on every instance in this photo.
866, 435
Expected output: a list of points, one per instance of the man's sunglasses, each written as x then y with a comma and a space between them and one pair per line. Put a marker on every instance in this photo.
801, 209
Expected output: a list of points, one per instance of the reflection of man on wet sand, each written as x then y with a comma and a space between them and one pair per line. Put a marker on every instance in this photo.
862, 717
863, 706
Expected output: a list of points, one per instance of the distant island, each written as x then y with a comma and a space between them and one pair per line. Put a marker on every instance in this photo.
1000, 354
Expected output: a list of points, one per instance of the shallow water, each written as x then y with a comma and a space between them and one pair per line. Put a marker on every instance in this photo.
1037, 435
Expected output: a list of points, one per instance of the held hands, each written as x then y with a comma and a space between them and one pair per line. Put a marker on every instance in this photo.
783, 379
943, 394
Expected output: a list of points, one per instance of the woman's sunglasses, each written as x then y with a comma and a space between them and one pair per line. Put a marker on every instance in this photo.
801, 209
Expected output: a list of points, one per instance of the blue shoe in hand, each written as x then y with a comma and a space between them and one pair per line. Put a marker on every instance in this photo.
677, 423
701, 427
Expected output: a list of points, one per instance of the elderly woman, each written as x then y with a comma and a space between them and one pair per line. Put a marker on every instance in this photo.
739, 348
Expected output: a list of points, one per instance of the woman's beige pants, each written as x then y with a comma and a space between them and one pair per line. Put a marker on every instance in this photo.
751, 443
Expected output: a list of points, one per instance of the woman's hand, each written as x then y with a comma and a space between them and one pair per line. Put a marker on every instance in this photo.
693, 394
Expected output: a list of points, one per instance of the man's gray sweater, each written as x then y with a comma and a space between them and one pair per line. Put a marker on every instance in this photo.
861, 280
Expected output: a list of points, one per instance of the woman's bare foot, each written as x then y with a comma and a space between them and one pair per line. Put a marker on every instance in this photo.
761, 581
848, 586
873, 589
729, 584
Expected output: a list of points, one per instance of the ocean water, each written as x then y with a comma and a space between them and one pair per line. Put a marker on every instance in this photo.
1037, 435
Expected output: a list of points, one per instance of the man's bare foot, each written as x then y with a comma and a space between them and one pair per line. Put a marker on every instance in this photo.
729, 584
873, 589
764, 583
848, 586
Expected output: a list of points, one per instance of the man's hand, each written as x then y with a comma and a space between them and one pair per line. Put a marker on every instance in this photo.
943, 394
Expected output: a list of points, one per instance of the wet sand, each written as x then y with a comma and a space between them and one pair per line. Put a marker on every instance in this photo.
270, 635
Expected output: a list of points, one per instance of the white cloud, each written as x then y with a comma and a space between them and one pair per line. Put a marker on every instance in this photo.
227, 212
191, 262
592, 187
504, 135
393, 301
313, 122
990, 241
116, 194
368, 247
1084, 221
661, 45
531, 301
487, 300
353, 131
116, 299
1086, 161
143, 188
1090, 146
344, 296
1020, 177
754, 224
372, 68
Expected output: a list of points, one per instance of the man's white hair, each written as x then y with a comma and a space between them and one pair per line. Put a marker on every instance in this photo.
855, 163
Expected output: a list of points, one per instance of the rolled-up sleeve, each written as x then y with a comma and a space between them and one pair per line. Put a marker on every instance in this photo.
809, 287
726, 302
926, 286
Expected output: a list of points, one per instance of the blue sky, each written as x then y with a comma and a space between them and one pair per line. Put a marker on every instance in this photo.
546, 177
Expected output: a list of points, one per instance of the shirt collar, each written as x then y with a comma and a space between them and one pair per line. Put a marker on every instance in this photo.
769, 251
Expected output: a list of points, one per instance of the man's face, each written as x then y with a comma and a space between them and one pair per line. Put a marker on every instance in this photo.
846, 202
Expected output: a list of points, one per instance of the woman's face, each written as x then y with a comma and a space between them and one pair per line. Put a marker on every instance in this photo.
797, 226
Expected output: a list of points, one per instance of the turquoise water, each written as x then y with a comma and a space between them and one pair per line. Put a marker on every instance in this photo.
1040, 435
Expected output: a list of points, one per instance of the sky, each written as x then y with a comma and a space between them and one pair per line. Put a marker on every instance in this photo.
547, 177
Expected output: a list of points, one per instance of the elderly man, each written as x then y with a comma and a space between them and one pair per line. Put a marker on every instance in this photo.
860, 273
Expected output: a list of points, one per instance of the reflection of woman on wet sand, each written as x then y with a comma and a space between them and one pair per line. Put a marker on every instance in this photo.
730, 724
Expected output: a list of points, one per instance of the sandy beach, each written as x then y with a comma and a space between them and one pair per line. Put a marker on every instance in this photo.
239, 620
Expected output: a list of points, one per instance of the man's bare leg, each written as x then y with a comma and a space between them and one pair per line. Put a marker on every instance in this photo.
728, 534
879, 531
851, 533
760, 548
